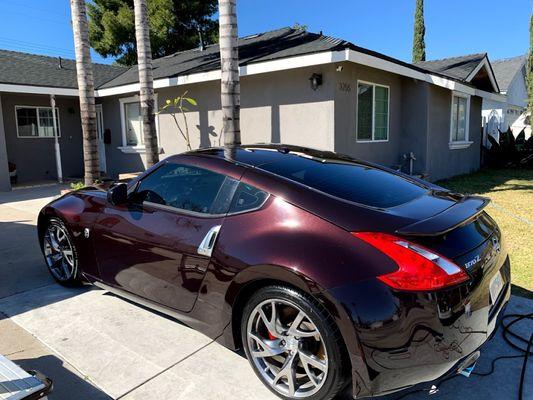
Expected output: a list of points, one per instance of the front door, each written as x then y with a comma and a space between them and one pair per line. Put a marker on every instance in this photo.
157, 245
101, 143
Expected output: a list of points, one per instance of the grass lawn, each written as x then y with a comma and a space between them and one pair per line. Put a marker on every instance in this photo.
511, 192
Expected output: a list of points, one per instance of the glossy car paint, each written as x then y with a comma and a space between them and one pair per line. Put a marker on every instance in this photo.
303, 238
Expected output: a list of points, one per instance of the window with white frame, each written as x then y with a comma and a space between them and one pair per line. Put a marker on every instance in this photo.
36, 122
132, 124
459, 118
372, 112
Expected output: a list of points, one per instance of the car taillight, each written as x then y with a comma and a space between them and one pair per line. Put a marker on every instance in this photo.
419, 268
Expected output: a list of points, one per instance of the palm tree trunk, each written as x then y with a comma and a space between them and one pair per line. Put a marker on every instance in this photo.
146, 81
84, 69
230, 89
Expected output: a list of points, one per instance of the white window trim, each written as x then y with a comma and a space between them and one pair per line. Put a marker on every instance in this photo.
460, 144
373, 112
139, 149
17, 107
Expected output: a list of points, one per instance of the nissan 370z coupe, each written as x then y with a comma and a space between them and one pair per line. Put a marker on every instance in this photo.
328, 271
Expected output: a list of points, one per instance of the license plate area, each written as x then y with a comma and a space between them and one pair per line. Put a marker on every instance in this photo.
495, 287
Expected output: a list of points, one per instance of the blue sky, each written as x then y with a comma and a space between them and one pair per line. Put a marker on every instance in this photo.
453, 27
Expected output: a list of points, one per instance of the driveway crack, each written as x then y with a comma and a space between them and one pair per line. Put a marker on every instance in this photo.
165, 370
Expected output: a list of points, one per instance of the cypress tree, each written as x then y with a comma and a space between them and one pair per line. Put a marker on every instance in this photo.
529, 68
419, 45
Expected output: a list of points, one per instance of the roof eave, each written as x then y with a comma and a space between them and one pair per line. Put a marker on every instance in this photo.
34, 89
485, 63
349, 53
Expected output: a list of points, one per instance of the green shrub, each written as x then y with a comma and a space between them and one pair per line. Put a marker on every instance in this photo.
77, 185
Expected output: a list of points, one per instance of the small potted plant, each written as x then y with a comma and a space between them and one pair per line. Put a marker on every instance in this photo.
77, 186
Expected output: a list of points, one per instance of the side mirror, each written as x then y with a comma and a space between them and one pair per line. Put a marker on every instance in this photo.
118, 194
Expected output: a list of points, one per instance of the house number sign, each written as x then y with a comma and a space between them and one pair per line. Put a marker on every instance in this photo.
345, 87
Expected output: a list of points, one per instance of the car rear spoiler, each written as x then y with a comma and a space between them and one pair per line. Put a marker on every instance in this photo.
465, 210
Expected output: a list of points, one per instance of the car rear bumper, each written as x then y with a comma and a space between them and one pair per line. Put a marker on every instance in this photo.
409, 338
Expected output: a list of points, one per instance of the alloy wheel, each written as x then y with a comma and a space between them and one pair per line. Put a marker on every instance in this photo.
287, 348
59, 252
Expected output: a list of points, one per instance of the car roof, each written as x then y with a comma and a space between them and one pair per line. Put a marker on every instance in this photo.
257, 155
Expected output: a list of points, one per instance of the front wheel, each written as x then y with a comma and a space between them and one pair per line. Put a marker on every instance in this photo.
293, 345
60, 254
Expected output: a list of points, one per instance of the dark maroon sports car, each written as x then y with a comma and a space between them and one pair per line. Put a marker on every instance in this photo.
327, 270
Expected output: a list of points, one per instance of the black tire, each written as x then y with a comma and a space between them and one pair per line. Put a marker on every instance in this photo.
337, 365
74, 278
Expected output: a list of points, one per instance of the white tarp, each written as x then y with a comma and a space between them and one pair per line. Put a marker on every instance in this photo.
523, 122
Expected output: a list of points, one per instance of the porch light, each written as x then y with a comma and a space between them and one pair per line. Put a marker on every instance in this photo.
316, 81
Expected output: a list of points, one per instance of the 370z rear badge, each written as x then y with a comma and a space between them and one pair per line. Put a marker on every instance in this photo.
473, 262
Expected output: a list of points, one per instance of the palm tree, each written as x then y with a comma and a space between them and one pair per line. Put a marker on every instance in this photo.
229, 63
146, 81
84, 69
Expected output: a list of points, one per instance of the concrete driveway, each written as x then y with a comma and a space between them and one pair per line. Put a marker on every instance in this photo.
97, 346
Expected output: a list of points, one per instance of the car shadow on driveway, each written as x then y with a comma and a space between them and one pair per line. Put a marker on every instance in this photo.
22, 266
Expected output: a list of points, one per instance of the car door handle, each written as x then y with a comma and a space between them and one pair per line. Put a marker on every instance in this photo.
208, 243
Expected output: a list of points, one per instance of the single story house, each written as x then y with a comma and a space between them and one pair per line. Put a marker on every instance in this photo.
511, 76
297, 87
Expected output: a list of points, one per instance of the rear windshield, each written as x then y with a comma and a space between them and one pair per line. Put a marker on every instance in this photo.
349, 181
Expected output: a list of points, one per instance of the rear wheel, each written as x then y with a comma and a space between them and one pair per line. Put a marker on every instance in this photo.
60, 253
293, 345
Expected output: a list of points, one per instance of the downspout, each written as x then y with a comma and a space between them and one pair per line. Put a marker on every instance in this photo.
56, 139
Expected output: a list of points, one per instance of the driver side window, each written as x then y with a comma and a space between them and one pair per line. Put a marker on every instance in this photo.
183, 187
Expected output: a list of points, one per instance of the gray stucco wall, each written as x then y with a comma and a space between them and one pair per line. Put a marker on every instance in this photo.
415, 124
444, 162
419, 122
35, 157
275, 107
386, 153
282, 107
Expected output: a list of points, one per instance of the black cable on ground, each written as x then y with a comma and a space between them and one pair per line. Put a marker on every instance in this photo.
524, 365
507, 335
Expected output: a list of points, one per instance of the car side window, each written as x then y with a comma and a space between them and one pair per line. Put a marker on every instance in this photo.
247, 197
184, 187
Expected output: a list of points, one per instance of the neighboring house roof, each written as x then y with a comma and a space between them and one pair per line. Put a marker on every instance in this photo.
506, 69
35, 70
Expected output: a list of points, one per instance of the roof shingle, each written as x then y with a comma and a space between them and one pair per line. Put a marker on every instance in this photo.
28, 69
456, 67
36, 70
280, 43
506, 69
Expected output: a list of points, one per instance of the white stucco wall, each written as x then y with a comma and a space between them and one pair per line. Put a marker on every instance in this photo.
517, 91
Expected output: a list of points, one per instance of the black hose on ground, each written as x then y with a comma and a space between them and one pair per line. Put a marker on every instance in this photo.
513, 339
